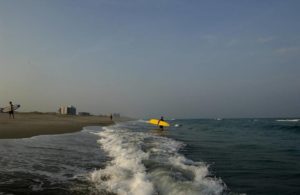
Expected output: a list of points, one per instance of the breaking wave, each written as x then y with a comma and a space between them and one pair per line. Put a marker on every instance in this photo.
145, 164
288, 120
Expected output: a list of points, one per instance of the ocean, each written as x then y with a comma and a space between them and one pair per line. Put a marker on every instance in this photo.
196, 156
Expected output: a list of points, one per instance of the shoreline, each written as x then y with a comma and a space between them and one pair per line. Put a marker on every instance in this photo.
27, 125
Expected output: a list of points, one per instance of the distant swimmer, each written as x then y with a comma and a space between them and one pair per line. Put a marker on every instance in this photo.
11, 112
160, 126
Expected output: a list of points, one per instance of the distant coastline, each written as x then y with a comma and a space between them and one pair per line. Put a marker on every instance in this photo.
37, 123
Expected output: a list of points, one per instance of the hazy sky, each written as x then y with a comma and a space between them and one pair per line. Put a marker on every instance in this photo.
146, 58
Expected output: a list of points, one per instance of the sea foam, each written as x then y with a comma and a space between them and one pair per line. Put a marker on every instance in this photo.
145, 164
288, 120
125, 174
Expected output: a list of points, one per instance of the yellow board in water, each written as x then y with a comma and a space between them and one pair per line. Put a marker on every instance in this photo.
159, 123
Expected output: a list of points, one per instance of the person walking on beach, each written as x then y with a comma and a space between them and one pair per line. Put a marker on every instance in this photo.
111, 117
160, 126
11, 112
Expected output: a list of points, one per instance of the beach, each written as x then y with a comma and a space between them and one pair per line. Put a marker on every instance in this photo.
32, 124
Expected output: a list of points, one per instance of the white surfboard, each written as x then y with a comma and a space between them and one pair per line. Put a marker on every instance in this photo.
8, 108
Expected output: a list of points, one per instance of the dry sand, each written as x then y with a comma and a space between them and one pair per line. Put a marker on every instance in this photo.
32, 124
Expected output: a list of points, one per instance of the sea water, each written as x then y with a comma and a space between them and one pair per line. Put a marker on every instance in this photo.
196, 156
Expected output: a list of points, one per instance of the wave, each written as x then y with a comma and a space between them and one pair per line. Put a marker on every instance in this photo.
288, 120
145, 164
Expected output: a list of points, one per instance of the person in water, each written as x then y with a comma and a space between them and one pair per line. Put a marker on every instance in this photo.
11, 112
160, 126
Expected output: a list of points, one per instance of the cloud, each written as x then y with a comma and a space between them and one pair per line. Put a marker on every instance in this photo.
210, 38
265, 39
232, 42
288, 50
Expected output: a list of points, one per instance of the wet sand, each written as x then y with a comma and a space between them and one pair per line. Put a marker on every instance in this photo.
32, 124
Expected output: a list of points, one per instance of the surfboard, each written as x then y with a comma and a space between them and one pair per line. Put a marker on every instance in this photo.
158, 123
7, 108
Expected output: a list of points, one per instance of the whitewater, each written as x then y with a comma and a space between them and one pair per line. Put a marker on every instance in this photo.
144, 164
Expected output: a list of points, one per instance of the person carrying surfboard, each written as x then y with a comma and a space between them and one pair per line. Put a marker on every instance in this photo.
160, 126
11, 112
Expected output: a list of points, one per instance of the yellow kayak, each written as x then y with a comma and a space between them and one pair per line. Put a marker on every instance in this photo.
159, 123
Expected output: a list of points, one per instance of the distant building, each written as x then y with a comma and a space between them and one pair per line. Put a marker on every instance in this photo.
84, 113
69, 110
116, 115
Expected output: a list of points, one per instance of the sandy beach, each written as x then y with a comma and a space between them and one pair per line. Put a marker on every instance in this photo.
32, 124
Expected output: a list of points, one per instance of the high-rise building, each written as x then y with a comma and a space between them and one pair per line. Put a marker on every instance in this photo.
69, 110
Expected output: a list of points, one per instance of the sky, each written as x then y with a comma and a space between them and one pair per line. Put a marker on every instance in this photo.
147, 58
